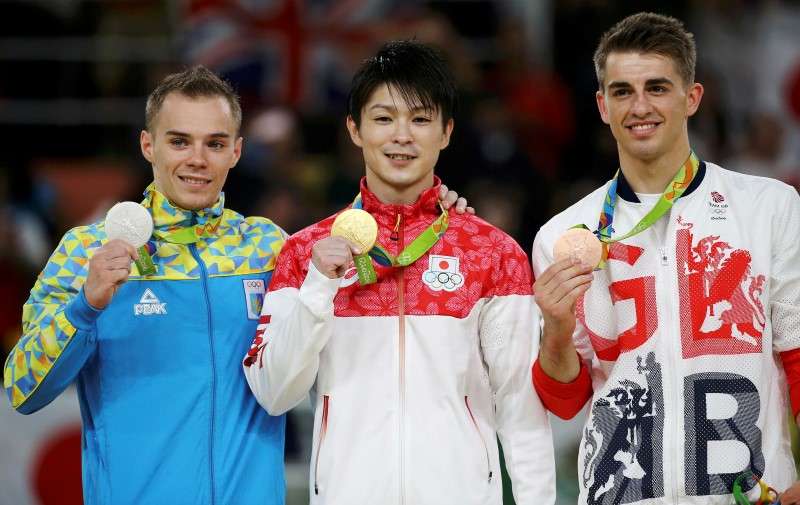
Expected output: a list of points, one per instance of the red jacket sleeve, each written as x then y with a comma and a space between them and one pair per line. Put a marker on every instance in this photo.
563, 399
791, 365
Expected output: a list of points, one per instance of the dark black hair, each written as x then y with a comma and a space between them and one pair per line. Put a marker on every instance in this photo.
417, 71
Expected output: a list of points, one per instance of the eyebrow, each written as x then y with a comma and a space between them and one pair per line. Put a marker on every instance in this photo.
392, 108
177, 133
650, 82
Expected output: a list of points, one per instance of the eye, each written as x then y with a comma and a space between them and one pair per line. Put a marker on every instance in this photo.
216, 144
178, 142
382, 119
621, 92
658, 89
422, 120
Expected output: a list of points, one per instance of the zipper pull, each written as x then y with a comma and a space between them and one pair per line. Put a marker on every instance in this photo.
396, 232
664, 258
490, 477
316, 488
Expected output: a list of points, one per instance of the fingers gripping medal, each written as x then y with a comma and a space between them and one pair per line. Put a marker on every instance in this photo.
131, 222
581, 244
360, 228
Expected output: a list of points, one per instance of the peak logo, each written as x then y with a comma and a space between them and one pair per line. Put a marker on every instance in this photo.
149, 305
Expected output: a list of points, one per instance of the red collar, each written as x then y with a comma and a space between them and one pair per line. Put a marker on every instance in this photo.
426, 207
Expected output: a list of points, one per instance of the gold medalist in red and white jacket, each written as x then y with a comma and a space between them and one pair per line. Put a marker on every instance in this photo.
414, 377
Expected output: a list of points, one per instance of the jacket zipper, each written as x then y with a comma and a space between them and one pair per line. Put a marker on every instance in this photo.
483, 441
675, 317
401, 308
204, 277
323, 429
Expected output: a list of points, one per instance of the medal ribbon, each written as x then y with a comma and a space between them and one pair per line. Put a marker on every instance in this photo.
411, 253
191, 234
674, 190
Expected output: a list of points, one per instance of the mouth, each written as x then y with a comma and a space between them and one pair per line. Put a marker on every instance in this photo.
400, 156
644, 129
194, 181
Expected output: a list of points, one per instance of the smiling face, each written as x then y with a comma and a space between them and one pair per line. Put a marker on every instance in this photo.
647, 104
192, 146
400, 144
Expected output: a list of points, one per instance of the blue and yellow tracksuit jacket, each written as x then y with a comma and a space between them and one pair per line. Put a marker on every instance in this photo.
167, 415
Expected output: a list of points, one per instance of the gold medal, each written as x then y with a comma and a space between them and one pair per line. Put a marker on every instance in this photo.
579, 243
357, 226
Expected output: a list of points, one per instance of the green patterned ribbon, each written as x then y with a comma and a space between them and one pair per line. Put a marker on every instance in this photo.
411, 253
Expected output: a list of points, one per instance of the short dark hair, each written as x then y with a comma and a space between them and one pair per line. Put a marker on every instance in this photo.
417, 71
647, 32
194, 82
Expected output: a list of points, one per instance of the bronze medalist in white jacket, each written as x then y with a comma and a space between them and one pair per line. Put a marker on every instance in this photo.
414, 377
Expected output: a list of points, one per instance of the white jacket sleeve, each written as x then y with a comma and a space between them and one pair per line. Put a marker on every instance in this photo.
509, 339
295, 325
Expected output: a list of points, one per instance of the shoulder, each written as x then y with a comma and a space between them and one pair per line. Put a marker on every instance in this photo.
753, 185
81, 240
302, 241
509, 271
477, 234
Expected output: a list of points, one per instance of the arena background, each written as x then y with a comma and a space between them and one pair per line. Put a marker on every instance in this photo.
528, 140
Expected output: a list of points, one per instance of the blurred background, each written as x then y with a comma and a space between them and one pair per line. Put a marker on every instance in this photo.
74, 75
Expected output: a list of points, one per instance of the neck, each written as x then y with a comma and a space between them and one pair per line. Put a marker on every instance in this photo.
652, 176
397, 195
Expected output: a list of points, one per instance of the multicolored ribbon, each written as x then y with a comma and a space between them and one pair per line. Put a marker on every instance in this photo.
674, 190
411, 253
189, 235
768, 495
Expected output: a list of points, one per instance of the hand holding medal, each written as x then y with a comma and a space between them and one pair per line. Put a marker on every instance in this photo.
360, 228
132, 223
579, 244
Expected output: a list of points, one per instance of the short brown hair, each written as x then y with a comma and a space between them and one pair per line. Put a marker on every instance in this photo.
194, 82
647, 32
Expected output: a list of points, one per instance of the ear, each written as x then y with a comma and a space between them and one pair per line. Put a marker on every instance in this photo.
448, 130
693, 97
600, 97
237, 151
146, 143
353, 130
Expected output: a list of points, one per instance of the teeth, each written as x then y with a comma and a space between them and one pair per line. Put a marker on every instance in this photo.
643, 126
400, 156
191, 180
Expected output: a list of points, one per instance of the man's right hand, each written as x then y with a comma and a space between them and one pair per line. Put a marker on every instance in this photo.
557, 291
333, 256
109, 268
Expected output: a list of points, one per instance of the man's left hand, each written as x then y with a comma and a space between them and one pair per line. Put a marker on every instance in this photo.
449, 197
792, 495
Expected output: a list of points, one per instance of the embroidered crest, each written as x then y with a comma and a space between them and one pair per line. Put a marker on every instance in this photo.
442, 273
254, 296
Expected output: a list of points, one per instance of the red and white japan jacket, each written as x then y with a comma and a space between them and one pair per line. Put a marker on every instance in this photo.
690, 333
414, 377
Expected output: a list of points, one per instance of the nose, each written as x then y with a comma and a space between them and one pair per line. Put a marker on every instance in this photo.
402, 132
641, 105
197, 157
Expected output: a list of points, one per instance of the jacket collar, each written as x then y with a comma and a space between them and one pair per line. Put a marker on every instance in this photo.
426, 207
167, 216
625, 191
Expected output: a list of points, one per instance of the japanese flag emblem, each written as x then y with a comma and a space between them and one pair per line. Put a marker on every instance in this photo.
442, 273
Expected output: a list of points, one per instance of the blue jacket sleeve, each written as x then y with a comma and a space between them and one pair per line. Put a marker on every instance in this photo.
58, 324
